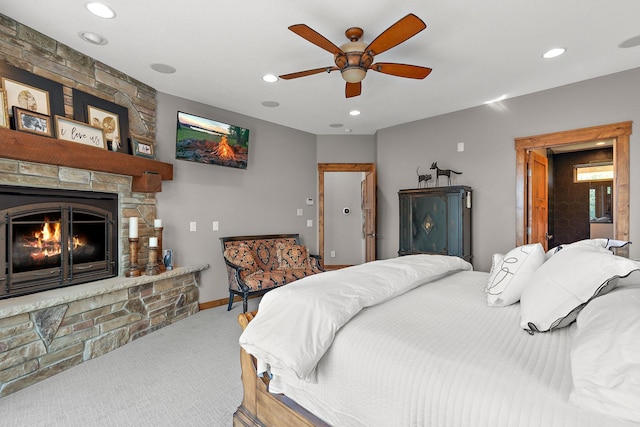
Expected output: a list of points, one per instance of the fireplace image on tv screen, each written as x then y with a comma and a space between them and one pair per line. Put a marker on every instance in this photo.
203, 140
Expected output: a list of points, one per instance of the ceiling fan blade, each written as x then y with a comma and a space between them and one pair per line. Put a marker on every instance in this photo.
308, 72
314, 37
399, 32
353, 89
401, 70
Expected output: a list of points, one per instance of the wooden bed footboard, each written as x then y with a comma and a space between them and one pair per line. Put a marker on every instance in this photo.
261, 408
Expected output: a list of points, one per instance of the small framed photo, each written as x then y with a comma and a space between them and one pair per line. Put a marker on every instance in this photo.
82, 133
32, 122
109, 122
143, 149
167, 258
4, 110
26, 97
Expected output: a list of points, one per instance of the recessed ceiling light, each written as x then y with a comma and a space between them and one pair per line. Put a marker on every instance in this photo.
93, 38
269, 78
354, 113
347, 131
632, 42
163, 68
552, 53
270, 104
336, 125
101, 10
600, 143
498, 99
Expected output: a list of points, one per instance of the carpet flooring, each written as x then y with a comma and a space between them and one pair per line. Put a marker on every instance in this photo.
186, 374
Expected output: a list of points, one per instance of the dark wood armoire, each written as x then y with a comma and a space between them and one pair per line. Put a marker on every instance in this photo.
436, 221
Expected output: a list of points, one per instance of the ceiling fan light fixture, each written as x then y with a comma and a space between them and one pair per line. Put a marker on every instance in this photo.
354, 74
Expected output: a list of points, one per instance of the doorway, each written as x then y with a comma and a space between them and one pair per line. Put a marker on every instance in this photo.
366, 226
618, 132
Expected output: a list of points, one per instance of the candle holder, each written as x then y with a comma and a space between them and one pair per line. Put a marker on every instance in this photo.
158, 233
152, 266
133, 270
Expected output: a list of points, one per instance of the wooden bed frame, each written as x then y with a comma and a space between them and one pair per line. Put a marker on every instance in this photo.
261, 408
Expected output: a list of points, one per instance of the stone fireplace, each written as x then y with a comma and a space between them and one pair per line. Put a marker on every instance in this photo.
46, 332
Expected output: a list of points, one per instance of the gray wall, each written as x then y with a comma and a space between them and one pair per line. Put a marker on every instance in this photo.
261, 199
488, 162
346, 149
264, 198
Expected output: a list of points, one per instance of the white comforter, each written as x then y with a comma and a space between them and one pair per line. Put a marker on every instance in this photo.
296, 324
438, 356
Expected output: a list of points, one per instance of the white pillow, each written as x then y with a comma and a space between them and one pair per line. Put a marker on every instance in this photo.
569, 279
605, 355
596, 243
510, 273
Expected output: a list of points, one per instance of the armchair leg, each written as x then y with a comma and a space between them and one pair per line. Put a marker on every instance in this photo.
230, 301
245, 302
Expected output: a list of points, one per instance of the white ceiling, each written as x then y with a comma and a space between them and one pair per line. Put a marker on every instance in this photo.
478, 50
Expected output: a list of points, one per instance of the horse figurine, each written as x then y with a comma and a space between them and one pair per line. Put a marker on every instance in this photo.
443, 172
423, 178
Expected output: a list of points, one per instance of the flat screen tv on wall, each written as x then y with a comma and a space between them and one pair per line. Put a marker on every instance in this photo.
203, 140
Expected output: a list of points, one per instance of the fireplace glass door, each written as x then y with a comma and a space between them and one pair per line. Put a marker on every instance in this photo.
50, 245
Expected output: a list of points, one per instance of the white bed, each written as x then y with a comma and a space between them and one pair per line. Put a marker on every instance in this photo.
436, 355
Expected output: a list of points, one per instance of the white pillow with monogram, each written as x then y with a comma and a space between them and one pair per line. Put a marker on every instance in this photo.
511, 272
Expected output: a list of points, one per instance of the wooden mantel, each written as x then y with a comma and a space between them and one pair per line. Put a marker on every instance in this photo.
147, 174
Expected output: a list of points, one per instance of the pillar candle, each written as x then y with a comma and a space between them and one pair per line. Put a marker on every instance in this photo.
157, 223
153, 242
133, 227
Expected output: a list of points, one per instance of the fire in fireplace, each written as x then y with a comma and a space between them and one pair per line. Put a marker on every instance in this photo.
52, 238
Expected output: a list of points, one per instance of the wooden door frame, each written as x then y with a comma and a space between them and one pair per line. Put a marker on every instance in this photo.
335, 167
619, 132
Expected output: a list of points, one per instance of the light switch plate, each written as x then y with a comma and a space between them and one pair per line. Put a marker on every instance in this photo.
192, 226
309, 223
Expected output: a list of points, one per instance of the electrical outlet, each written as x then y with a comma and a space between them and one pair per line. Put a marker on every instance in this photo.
216, 226
192, 226
309, 223
460, 147
299, 212
333, 254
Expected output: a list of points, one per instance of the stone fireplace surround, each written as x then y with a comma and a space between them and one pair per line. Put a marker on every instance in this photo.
45, 333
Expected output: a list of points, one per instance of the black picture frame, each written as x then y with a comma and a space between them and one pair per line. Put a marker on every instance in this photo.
81, 103
55, 90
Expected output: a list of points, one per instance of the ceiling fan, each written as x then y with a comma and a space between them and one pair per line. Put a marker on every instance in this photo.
354, 58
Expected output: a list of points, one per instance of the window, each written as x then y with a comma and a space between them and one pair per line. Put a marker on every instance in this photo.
593, 172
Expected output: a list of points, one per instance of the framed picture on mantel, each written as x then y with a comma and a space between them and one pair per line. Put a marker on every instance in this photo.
82, 133
113, 118
32, 122
48, 95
